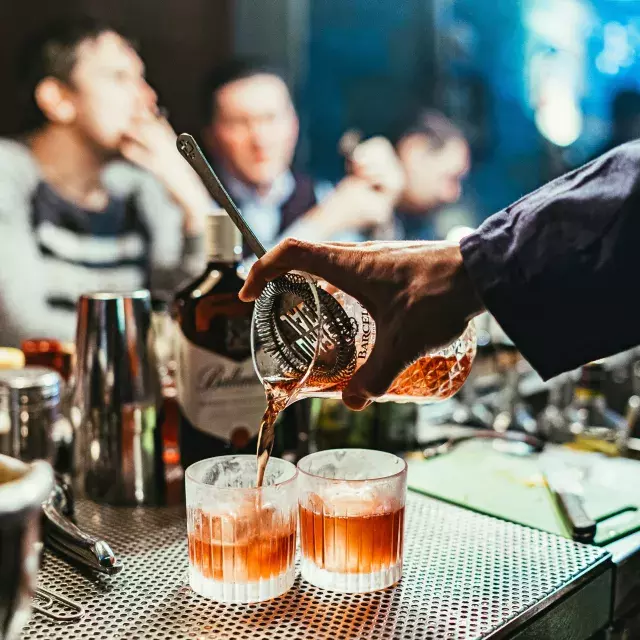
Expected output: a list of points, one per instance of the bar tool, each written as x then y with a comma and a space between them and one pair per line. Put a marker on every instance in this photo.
115, 400
64, 537
191, 152
567, 492
35, 429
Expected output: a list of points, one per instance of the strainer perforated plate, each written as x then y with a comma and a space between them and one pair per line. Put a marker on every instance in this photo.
465, 576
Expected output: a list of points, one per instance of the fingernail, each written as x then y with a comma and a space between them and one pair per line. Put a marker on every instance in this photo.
355, 402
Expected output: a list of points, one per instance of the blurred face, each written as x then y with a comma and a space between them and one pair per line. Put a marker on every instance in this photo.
254, 130
434, 176
108, 91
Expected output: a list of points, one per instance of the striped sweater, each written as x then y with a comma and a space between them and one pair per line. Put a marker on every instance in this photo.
52, 251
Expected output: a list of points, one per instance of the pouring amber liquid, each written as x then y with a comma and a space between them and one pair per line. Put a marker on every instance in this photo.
306, 342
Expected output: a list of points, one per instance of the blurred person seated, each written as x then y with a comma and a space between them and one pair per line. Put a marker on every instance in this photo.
435, 157
74, 215
251, 135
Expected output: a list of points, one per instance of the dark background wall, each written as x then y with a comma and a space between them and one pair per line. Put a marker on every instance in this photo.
369, 63
180, 40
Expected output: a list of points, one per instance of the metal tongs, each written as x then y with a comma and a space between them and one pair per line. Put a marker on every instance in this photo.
62, 535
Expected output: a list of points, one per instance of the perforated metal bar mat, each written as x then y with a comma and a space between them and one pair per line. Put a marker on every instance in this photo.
465, 576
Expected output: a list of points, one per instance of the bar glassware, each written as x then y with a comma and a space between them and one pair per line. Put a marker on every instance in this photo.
242, 539
309, 338
352, 519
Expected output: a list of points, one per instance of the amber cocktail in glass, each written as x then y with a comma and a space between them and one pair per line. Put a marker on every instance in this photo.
242, 539
352, 519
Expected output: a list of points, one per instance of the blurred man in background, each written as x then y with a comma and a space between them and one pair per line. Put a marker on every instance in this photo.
72, 218
251, 135
435, 157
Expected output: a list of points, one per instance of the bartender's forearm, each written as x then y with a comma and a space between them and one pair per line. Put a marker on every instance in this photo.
557, 268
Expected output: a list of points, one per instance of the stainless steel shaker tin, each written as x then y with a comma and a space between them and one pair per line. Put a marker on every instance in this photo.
114, 401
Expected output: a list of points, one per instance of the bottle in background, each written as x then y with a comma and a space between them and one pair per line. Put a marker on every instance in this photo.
385, 426
51, 353
397, 426
168, 418
336, 427
329, 424
552, 420
221, 400
592, 424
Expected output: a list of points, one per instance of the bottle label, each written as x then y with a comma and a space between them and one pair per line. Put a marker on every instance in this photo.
218, 395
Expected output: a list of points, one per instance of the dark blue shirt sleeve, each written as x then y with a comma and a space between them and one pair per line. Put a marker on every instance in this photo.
559, 268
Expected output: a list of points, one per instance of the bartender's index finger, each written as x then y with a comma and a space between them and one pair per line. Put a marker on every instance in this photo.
327, 261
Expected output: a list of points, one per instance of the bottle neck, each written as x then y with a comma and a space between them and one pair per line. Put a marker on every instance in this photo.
223, 240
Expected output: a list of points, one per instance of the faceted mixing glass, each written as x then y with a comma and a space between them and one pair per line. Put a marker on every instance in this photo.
352, 519
308, 339
242, 540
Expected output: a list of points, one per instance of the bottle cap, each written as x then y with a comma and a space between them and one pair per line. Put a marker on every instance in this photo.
224, 241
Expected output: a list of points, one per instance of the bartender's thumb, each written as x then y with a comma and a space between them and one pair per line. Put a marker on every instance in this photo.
373, 378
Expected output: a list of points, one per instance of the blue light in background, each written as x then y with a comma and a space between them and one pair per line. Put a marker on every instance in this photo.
513, 73
555, 66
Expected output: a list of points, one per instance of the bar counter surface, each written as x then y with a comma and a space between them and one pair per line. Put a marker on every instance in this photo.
465, 576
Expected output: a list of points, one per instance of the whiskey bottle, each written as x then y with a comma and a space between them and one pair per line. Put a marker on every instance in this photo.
333, 426
221, 400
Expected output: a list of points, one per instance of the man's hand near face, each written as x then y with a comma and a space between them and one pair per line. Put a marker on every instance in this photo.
151, 144
366, 197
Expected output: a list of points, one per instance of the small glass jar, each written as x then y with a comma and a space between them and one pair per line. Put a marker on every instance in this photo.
32, 425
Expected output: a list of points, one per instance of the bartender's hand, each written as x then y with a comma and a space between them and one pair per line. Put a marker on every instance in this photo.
418, 293
151, 144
